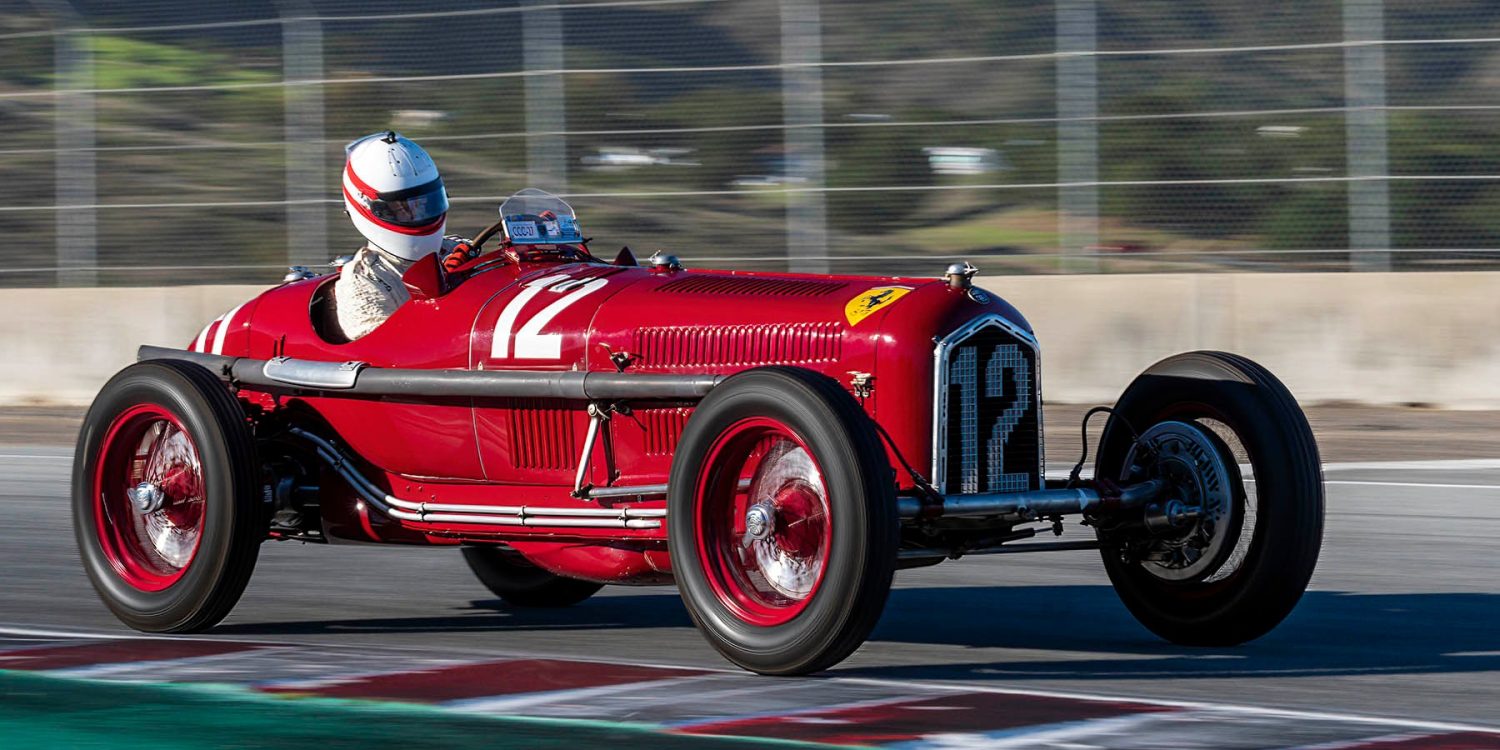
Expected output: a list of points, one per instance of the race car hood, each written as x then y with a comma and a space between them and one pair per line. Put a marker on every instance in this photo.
724, 321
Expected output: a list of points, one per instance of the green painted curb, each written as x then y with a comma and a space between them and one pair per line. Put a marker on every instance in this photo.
46, 712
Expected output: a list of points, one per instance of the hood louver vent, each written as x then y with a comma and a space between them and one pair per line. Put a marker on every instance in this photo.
735, 346
663, 429
749, 286
541, 435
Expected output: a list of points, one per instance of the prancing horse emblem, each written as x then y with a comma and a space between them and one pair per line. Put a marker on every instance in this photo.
867, 304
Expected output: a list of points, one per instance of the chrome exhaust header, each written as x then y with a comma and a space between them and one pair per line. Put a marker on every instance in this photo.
488, 515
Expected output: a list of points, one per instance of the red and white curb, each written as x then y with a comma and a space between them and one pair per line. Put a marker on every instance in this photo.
833, 710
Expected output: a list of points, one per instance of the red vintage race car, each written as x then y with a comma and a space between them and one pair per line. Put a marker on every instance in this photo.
777, 445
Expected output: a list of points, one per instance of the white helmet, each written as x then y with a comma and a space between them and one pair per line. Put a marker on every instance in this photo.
394, 196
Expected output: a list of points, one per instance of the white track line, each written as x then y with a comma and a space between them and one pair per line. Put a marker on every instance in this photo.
1429, 485
49, 633
495, 704
1460, 464
1058, 734
103, 670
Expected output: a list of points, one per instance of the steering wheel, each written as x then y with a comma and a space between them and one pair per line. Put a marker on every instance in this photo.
484, 236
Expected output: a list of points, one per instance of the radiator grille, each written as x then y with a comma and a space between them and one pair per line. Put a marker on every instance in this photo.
711, 346
990, 433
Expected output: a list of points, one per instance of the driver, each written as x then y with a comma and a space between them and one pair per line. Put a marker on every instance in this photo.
395, 197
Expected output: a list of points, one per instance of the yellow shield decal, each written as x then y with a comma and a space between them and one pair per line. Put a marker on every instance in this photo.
867, 304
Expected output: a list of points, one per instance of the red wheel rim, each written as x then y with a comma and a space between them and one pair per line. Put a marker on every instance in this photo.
765, 574
149, 549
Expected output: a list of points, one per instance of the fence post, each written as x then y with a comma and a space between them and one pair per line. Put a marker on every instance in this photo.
802, 114
1365, 136
306, 191
74, 160
1077, 134
546, 98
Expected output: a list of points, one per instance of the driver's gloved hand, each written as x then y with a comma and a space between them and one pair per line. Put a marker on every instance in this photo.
456, 252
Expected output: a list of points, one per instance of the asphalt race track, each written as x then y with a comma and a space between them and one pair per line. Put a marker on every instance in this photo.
1402, 623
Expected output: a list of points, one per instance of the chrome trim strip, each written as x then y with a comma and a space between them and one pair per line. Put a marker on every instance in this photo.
312, 374
939, 479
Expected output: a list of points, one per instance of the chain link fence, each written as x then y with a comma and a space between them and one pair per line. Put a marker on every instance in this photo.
172, 141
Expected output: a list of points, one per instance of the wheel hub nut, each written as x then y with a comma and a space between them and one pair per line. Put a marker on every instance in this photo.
758, 522
147, 497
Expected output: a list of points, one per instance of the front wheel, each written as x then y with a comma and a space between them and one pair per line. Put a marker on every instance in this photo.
1229, 552
782, 521
166, 503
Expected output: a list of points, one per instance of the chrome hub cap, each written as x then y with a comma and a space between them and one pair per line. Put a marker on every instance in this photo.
147, 497
759, 522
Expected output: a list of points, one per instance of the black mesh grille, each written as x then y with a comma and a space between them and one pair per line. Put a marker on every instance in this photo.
993, 429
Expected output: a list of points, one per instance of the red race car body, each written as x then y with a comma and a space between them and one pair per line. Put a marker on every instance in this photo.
776, 444
876, 335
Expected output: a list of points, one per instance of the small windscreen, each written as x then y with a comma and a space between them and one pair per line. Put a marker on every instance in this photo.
536, 217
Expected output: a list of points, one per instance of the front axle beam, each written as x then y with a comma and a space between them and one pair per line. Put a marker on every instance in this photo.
1030, 505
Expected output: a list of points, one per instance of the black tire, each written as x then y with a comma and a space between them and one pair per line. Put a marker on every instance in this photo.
1207, 388
522, 584
234, 520
850, 596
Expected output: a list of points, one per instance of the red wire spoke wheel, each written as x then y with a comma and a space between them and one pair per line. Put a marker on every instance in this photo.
782, 521
148, 487
166, 503
764, 544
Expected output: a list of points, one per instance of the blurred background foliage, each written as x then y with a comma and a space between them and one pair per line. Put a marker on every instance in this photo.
940, 127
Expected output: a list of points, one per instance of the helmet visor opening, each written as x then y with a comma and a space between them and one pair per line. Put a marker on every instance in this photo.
410, 208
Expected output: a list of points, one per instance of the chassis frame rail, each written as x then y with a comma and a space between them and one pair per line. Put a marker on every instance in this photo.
359, 380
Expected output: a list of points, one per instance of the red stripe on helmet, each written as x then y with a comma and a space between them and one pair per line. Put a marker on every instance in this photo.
363, 187
429, 228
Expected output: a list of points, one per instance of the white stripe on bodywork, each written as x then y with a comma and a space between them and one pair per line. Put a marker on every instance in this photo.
203, 335
505, 325
224, 329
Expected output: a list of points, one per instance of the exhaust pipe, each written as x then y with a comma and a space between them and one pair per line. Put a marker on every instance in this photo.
489, 515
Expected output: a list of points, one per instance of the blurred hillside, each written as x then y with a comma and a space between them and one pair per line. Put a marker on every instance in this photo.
1219, 140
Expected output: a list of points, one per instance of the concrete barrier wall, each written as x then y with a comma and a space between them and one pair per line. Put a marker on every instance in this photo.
60, 345
1430, 338
1412, 338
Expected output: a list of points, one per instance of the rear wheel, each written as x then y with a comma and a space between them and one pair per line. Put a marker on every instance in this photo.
509, 576
166, 508
1235, 565
783, 525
